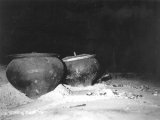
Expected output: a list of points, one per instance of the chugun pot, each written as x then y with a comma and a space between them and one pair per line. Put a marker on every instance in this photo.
82, 69
35, 73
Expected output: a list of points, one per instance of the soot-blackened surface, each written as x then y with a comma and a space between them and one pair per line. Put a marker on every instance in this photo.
123, 35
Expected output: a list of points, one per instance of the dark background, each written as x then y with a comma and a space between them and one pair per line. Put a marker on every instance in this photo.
125, 35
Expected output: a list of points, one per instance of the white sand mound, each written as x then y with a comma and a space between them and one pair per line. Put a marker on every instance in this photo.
11, 97
59, 92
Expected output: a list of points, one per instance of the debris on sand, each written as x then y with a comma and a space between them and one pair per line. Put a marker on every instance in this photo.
134, 96
89, 93
118, 85
155, 93
107, 92
144, 88
130, 95
100, 92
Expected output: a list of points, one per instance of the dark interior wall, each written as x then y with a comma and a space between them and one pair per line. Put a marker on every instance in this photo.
123, 35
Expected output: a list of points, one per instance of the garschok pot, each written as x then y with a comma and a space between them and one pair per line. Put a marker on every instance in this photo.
35, 73
82, 69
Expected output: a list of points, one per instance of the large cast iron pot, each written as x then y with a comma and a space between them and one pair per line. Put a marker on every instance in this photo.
35, 73
82, 69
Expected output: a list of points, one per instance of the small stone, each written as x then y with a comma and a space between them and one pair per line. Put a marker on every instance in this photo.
114, 85
140, 95
144, 102
102, 93
155, 93
116, 93
89, 93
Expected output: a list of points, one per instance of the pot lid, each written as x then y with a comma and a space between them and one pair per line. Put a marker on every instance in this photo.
77, 57
33, 54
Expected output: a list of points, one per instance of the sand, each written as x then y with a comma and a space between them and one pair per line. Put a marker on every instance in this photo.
116, 99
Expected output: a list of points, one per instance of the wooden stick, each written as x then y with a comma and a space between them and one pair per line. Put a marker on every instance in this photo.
74, 53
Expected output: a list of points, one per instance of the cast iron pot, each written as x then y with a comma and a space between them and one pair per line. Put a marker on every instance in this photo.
82, 69
35, 73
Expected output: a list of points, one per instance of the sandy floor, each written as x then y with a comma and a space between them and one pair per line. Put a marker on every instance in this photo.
116, 99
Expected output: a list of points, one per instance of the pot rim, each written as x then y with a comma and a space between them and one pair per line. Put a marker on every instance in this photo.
33, 54
78, 57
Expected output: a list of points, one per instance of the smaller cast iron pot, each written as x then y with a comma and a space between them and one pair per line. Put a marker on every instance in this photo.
35, 73
82, 69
